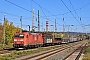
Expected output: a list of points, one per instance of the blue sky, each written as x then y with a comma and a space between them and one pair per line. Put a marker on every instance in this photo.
49, 10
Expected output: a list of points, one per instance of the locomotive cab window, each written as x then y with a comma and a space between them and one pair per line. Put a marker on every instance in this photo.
19, 36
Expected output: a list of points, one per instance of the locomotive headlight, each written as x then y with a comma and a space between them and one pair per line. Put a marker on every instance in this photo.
15, 39
21, 40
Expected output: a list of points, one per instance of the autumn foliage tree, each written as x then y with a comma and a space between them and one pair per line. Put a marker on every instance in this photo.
1, 33
10, 29
60, 35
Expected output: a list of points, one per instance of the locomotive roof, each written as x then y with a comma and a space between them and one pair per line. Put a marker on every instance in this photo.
35, 33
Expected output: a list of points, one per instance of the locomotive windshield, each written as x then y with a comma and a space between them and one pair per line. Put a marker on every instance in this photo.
19, 36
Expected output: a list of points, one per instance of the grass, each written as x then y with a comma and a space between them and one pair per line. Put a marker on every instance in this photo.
87, 53
87, 57
87, 50
23, 53
89, 42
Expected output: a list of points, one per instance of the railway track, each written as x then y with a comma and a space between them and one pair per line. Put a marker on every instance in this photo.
81, 51
6, 51
9, 50
75, 54
44, 55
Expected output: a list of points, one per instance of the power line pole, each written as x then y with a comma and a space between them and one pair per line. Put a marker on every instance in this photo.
47, 26
63, 27
42, 26
4, 31
38, 21
21, 23
55, 26
32, 19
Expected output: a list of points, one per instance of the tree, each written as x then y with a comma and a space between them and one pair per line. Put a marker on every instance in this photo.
65, 35
10, 29
1, 33
61, 35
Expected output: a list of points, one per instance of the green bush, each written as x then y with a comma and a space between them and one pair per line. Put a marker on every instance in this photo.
87, 50
87, 57
89, 42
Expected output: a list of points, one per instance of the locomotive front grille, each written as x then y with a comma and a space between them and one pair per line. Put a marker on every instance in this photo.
18, 45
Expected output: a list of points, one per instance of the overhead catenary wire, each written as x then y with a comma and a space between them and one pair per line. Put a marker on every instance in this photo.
24, 17
67, 12
14, 21
18, 6
34, 13
76, 13
48, 12
10, 14
13, 14
43, 12
78, 8
11, 21
73, 8
22, 8
42, 7
71, 12
45, 15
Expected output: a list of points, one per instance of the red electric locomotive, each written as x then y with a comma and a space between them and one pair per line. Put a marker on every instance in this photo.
26, 40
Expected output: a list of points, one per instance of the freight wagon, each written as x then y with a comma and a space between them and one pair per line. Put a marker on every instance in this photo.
73, 40
65, 40
69, 40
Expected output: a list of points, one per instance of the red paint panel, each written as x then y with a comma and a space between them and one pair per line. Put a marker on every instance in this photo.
35, 39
